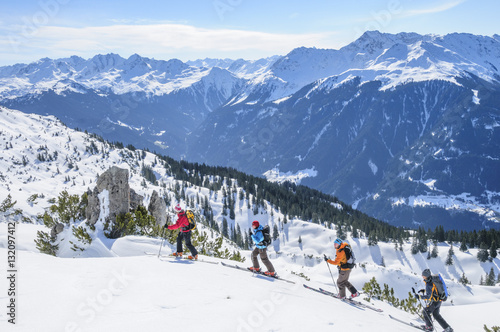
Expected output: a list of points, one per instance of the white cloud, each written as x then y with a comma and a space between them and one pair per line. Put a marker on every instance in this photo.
432, 10
158, 40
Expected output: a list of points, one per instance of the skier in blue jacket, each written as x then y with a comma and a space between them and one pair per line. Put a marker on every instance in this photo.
261, 250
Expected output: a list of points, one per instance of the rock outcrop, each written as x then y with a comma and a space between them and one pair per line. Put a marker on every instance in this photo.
112, 186
158, 208
112, 196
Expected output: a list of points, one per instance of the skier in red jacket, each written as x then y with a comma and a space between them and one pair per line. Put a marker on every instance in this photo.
183, 225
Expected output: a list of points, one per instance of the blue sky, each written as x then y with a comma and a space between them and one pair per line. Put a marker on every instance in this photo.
196, 29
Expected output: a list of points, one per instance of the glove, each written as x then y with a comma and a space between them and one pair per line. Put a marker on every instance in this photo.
422, 291
326, 258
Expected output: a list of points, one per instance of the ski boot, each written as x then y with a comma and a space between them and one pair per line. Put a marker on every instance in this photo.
193, 258
254, 269
427, 328
271, 274
354, 295
177, 254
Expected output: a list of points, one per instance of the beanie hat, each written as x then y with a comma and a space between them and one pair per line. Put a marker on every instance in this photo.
426, 273
178, 208
338, 241
255, 224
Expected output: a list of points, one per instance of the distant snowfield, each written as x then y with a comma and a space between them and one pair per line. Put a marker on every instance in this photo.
134, 292
274, 175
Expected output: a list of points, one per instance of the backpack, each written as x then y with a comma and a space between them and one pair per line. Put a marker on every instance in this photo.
351, 259
439, 287
192, 220
267, 235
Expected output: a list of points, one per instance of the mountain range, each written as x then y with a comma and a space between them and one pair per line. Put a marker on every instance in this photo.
405, 127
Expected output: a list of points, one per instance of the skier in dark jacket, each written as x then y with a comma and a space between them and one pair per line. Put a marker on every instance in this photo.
184, 233
261, 250
430, 295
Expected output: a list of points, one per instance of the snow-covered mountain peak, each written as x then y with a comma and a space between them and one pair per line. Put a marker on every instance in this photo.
393, 59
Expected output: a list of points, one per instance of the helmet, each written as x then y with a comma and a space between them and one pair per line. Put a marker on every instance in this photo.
338, 241
255, 224
426, 273
178, 208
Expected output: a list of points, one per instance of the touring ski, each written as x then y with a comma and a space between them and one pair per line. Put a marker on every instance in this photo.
183, 258
407, 323
354, 303
359, 303
259, 273
322, 292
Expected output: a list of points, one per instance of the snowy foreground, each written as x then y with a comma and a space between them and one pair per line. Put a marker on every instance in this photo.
131, 291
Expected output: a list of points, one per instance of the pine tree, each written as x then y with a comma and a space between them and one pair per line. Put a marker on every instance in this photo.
490, 278
414, 246
355, 233
463, 280
372, 239
434, 253
482, 254
449, 258
340, 232
225, 229
493, 249
463, 246
276, 233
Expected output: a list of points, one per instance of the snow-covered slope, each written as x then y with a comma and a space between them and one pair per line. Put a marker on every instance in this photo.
114, 286
393, 59
135, 292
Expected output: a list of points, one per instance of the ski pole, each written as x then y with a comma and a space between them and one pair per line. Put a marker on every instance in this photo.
334, 283
425, 311
161, 245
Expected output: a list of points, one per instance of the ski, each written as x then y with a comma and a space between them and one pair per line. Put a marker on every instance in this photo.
322, 292
190, 260
258, 273
407, 323
359, 303
183, 258
352, 302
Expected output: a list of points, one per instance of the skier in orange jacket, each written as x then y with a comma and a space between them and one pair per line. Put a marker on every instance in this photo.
342, 258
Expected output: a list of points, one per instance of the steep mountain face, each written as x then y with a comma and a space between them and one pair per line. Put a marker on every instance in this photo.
403, 126
410, 135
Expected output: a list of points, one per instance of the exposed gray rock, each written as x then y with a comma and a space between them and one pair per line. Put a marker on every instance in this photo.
135, 199
115, 182
158, 208
56, 229
93, 207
